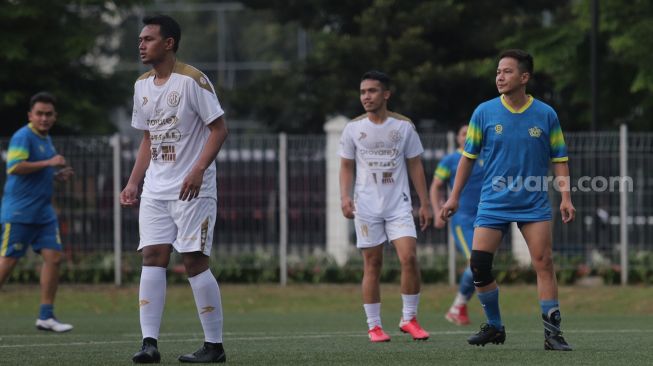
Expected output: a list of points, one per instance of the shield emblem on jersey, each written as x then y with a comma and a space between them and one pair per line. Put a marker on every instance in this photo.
173, 99
395, 136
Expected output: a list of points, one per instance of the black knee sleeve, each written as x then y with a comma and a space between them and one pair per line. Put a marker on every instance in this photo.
481, 265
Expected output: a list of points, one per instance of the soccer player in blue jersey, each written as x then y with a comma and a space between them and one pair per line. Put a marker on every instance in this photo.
28, 217
518, 137
462, 223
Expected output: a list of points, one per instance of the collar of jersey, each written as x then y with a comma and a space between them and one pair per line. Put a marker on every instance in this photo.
35, 130
520, 110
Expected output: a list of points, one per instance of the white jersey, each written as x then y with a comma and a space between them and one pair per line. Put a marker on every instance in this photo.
176, 114
381, 151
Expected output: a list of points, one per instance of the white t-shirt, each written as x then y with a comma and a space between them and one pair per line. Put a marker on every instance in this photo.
176, 114
381, 151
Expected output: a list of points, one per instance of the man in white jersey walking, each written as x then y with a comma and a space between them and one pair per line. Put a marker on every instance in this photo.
183, 129
383, 148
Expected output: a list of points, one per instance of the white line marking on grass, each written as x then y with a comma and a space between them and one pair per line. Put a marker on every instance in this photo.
262, 336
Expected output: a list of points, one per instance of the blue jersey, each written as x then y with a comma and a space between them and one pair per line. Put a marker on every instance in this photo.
517, 147
27, 198
446, 172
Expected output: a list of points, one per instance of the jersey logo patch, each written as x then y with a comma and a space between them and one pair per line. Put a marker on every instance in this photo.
173, 99
387, 178
362, 136
395, 136
498, 129
364, 230
144, 101
535, 132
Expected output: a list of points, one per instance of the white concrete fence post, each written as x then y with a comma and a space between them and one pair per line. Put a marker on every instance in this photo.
337, 226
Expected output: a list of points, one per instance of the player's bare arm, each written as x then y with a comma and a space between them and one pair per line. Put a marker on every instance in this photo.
129, 195
190, 188
27, 167
347, 167
416, 172
436, 194
462, 175
567, 210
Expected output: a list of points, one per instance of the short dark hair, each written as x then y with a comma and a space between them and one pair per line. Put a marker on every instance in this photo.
378, 76
42, 97
168, 27
524, 59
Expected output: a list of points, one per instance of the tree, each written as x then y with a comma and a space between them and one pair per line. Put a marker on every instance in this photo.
441, 55
59, 46
562, 49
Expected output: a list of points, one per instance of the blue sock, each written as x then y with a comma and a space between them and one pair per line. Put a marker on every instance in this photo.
547, 305
467, 284
46, 311
490, 302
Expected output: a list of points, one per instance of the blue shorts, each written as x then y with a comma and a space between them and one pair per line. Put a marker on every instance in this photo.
462, 229
16, 237
502, 225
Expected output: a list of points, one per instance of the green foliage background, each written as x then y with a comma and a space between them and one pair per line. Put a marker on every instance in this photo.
440, 53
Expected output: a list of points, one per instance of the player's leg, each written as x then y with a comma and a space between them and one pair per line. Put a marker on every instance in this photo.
538, 238
8, 254
401, 231
196, 221
370, 236
487, 240
49, 284
7, 265
372, 265
463, 232
157, 231
406, 247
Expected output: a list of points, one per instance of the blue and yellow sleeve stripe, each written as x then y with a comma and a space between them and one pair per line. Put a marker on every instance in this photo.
473, 141
558, 146
442, 172
14, 156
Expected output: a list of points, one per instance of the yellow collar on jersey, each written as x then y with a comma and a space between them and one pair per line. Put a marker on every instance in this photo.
520, 110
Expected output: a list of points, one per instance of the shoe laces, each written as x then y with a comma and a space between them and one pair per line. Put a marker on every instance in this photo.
485, 327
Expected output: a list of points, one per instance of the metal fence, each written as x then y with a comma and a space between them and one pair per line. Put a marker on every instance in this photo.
248, 189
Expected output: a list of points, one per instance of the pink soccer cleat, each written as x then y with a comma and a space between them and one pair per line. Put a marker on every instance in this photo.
413, 328
377, 334
458, 315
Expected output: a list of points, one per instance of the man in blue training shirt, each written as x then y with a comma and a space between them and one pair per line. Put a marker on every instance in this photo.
517, 136
462, 223
28, 217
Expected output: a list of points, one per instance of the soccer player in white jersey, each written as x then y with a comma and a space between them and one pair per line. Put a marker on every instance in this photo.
383, 148
183, 129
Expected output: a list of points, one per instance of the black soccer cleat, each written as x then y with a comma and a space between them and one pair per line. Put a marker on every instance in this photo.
488, 334
553, 340
556, 343
148, 353
209, 353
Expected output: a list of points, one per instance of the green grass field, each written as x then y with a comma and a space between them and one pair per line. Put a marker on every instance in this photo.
325, 325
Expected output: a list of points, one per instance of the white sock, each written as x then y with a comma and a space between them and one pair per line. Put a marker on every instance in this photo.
209, 306
460, 300
410, 306
151, 298
373, 313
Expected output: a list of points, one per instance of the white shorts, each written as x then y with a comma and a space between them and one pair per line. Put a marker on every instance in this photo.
371, 232
187, 225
